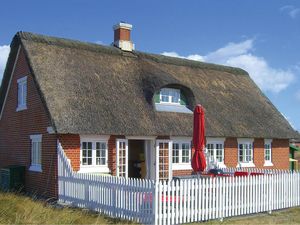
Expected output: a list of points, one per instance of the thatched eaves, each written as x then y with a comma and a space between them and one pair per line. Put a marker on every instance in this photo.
93, 89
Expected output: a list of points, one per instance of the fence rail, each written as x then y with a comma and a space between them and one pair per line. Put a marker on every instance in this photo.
180, 201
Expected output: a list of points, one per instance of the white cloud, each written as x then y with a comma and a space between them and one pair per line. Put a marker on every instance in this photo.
4, 51
291, 10
99, 42
241, 55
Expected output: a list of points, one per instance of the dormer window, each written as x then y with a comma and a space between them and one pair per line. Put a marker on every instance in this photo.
170, 95
171, 99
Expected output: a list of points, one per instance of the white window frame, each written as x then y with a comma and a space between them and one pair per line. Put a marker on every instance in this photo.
36, 167
181, 165
268, 162
22, 94
245, 141
214, 142
94, 168
169, 96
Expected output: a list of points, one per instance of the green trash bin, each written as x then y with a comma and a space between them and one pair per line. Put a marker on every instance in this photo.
12, 178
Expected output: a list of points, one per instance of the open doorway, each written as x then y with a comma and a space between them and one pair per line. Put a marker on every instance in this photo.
136, 159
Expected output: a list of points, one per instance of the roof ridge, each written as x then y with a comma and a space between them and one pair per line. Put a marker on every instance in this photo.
89, 46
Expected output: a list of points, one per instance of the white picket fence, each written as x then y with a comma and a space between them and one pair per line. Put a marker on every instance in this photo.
194, 200
130, 199
180, 201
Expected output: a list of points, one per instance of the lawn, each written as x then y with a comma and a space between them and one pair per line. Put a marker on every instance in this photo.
19, 209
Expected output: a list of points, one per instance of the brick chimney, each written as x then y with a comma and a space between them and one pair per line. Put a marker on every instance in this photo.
122, 36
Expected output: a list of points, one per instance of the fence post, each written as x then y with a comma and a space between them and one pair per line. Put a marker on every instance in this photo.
114, 196
155, 202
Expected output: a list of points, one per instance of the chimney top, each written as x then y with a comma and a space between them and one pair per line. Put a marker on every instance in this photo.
122, 36
122, 25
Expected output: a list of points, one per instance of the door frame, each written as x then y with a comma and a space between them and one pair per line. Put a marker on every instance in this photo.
170, 144
118, 155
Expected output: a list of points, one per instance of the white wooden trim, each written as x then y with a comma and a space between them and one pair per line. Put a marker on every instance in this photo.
245, 140
182, 166
50, 130
170, 143
169, 96
94, 168
249, 164
36, 137
22, 79
23, 82
215, 140
93, 137
10, 79
118, 156
170, 159
268, 162
141, 137
35, 167
179, 138
268, 141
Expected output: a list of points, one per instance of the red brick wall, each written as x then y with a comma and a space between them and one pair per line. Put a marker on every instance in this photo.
182, 172
280, 153
230, 152
112, 155
122, 34
15, 131
259, 153
71, 146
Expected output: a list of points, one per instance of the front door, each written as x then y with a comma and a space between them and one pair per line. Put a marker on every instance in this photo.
150, 159
122, 158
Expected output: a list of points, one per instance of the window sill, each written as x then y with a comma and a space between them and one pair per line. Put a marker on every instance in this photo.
249, 164
181, 166
36, 168
94, 169
268, 163
21, 107
221, 165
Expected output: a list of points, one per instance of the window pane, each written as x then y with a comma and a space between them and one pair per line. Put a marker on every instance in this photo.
24, 93
101, 153
185, 152
175, 153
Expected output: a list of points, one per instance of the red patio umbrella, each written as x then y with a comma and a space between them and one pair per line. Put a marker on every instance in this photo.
198, 161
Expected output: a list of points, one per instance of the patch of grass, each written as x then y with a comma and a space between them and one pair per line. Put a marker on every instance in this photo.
19, 209
286, 216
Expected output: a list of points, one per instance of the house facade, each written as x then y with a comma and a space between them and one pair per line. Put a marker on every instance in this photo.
120, 112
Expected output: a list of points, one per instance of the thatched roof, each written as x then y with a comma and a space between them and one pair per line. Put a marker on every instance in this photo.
93, 89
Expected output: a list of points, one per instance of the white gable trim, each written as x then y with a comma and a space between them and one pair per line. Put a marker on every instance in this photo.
10, 79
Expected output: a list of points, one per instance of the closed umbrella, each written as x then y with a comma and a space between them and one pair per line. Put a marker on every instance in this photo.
198, 161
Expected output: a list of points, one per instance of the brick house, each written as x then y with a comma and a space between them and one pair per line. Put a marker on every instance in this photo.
122, 112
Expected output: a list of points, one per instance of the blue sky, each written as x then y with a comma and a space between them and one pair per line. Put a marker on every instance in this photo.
259, 36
